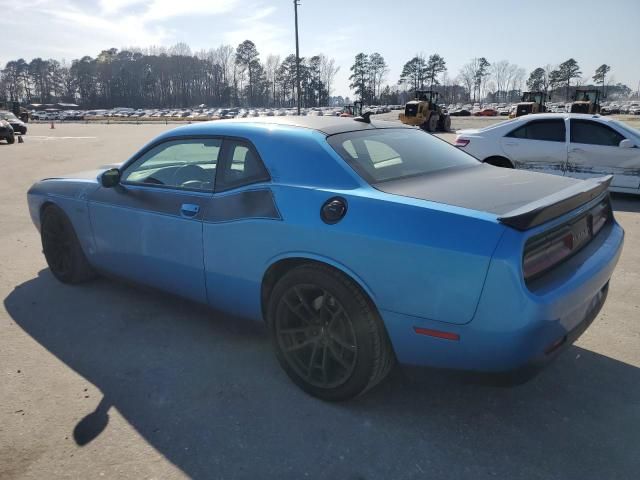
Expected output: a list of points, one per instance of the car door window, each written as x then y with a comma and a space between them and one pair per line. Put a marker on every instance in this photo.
186, 164
593, 133
546, 130
242, 166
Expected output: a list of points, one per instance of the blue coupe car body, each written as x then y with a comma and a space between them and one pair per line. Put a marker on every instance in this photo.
439, 255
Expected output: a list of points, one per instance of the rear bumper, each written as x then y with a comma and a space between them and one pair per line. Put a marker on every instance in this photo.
534, 365
515, 330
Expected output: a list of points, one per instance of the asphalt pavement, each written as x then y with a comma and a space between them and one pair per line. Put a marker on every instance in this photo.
107, 380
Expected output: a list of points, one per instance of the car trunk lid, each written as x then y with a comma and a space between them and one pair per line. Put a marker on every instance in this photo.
518, 198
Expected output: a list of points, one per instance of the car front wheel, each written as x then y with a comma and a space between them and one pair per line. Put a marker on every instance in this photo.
327, 335
61, 248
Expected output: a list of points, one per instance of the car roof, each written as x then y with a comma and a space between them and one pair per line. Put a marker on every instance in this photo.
329, 125
580, 116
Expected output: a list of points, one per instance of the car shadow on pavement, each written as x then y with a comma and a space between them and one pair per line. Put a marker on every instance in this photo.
205, 390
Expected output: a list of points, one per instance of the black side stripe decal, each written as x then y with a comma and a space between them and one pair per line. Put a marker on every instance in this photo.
242, 205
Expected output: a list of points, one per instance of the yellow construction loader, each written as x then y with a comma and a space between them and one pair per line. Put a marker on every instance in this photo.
424, 112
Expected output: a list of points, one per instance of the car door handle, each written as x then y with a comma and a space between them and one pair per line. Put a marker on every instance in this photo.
511, 144
189, 209
576, 150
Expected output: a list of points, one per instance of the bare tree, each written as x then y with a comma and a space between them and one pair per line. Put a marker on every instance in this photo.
500, 74
467, 77
328, 71
271, 68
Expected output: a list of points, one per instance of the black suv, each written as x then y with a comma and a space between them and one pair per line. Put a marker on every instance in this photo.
6, 132
18, 125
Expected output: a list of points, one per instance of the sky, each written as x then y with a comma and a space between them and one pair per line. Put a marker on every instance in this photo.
540, 33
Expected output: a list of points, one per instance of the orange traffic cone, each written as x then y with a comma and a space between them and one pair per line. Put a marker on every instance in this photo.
52, 126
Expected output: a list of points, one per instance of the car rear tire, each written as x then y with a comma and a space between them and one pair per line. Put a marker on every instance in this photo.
327, 335
499, 162
11, 139
61, 248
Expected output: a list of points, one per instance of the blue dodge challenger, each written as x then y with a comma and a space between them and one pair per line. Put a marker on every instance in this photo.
360, 243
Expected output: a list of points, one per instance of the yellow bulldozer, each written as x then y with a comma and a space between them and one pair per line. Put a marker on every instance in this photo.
424, 112
586, 100
531, 102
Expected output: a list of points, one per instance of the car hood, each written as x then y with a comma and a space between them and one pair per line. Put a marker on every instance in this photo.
480, 187
86, 175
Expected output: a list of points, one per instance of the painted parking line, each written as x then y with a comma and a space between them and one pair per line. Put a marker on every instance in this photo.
43, 137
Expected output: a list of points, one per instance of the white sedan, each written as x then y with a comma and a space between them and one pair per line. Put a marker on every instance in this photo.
573, 145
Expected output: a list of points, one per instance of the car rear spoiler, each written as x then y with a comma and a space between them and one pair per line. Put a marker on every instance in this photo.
556, 204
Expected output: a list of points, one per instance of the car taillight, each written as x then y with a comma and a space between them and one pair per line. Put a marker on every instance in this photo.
543, 254
462, 142
599, 217
548, 249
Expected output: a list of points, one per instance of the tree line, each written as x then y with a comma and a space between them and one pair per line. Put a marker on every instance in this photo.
228, 76
171, 77
478, 80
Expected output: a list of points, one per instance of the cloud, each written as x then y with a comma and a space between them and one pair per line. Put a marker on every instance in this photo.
108, 29
80, 27
165, 9
151, 10
267, 35
110, 7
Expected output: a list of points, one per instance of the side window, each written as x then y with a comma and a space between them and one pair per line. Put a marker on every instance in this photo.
593, 133
242, 166
188, 164
546, 130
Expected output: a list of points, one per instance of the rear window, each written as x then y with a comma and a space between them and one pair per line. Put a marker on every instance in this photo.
390, 154
546, 130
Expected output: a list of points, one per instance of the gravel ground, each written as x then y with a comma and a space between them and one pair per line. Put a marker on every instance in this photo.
106, 380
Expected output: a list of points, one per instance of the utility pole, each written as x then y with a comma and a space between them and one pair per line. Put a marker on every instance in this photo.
295, 9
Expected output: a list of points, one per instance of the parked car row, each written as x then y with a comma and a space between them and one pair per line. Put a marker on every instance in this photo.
198, 113
504, 109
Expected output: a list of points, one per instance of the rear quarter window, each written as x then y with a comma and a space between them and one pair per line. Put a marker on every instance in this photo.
545, 130
380, 155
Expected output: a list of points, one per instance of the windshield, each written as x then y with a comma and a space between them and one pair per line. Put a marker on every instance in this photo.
588, 96
7, 116
390, 154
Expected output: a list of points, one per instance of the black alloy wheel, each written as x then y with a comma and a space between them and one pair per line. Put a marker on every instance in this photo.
327, 333
316, 336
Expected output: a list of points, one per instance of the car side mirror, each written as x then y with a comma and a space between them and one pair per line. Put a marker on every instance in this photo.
110, 178
626, 143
